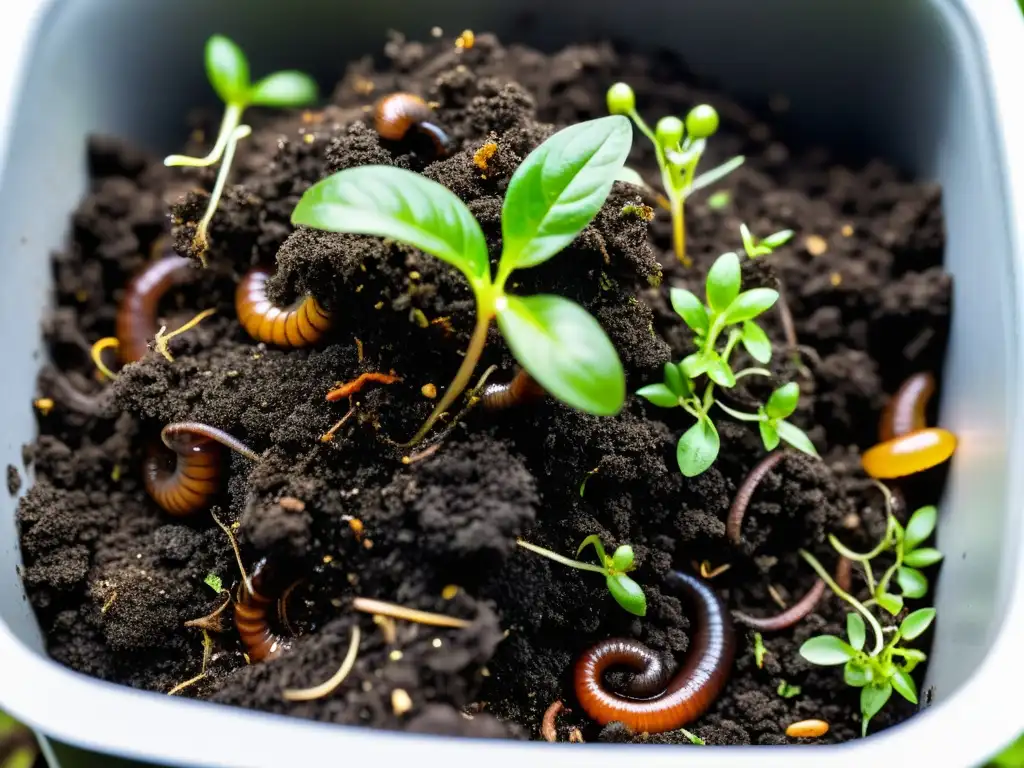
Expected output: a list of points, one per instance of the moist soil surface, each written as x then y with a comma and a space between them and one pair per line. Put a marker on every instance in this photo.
113, 578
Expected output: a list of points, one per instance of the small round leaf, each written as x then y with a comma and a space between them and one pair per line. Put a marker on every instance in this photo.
750, 304
702, 121
856, 630
756, 342
697, 448
688, 307
621, 99
623, 558
857, 675
892, 603
827, 650
284, 89
783, 401
723, 282
920, 526
913, 583
917, 622
565, 349
628, 594
669, 131
922, 558
659, 395
796, 437
719, 371
769, 434
904, 685
227, 69
872, 699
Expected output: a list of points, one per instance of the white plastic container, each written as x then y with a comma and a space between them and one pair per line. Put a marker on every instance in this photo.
932, 85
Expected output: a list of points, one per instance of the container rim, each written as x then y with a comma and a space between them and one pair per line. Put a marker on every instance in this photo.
973, 724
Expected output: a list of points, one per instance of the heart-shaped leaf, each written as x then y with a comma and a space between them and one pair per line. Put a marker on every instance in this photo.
228, 70
565, 349
288, 88
560, 187
392, 202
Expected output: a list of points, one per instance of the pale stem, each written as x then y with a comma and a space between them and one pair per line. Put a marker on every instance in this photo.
679, 230
844, 595
559, 558
232, 116
200, 240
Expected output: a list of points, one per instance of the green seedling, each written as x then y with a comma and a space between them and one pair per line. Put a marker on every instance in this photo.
678, 146
626, 592
693, 738
228, 71
214, 582
787, 691
759, 650
719, 325
552, 196
879, 673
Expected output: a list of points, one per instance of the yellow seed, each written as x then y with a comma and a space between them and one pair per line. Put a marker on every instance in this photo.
465, 40
44, 405
395, 655
450, 591
835, 278
357, 526
309, 138
328, 559
367, 544
400, 701
847, 230
807, 729
429, 391
414, 275
379, 305
815, 245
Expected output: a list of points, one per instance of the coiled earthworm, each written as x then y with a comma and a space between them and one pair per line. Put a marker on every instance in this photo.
397, 113
800, 609
136, 314
252, 617
689, 693
734, 521
298, 326
523, 388
186, 483
905, 411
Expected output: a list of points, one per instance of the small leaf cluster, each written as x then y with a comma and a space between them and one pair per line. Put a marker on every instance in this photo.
723, 321
551, 197
876, 675
626, 592
768, 245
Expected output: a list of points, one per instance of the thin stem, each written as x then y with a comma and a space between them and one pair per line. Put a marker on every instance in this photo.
734, 336
844, 595
679, 230
646, 131
559, 558
692, 409
869, 576
462, 377
752, 372
328, 686
739, 415
232, 116
200, 240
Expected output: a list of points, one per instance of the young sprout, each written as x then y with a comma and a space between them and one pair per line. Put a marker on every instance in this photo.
719, 325
887, 666
626, 592
552, 196
678, 146
228, 71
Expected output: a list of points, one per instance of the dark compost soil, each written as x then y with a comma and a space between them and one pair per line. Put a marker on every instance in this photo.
113, 578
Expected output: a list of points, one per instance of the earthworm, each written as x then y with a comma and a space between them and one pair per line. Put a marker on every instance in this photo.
252, 612
548, 729
523, 388
300, 325
905, 411
689, 693
734, 522
136, 314
189, 484
800, 609
398, 112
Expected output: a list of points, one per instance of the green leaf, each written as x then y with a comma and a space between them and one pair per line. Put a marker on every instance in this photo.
892, 603
560, 187
796, 437
917, 622
628, 594
595, 541
718, 200
872, 699
688, 307
675, 381
759, 650
783, 401
719, 371
787, 691
748, 240
565, 349
922, 558
920, 526
694, 365
697, 448
227, 69
398, 204
827, 650
781, 237
769, 434
693, 738
659, 395
856, 630
856, 674
712, 175
756, 342
750, 304
912, 582
623, 558
214, 582
289, 88
723, 282
904, 685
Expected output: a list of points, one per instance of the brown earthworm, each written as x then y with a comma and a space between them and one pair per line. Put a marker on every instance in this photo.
136, 314
734, 522
397, 113
905, 411
252, 617
298, 326
523, 388
800, 609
